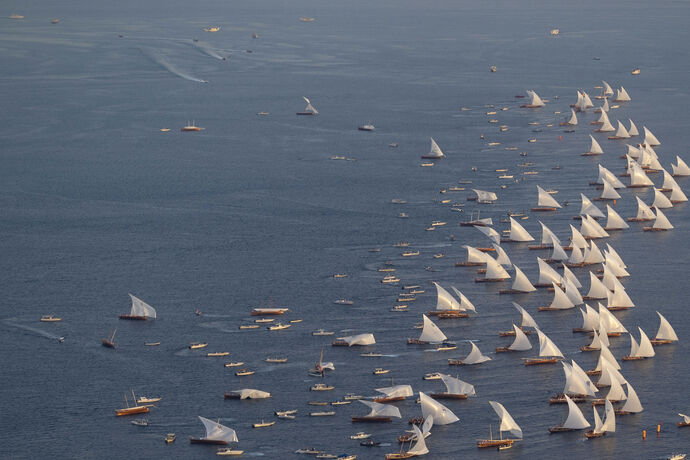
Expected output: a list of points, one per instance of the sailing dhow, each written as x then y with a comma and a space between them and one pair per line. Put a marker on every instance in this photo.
140, 310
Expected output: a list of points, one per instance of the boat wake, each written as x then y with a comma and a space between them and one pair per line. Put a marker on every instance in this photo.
206, 49
163, 62
33, 330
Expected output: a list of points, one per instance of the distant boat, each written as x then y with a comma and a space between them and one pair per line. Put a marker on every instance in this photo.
268, 311
110, 341
665, 334
138, 409
545, 202
140, 310
507, 424
574, 421
278, 327
228, 451
601, 428
379, 412
190, 127
16, 16
435, 151
197, 345
215, 433
140, 422
548, 351
306, 19
145, 400
635, 71
418, 449
535, 101
455, 388
309, 109
50, 319
247, 393
212, 29
367, 127
474, 357
263, 424
322, 332
554, 32
170, 437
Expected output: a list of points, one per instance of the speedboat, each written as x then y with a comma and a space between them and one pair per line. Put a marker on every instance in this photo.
229, 452
140, 422
367, 127
320, 332
360, 435
145, 400
50, 319
170, 437
197, 345
234, 364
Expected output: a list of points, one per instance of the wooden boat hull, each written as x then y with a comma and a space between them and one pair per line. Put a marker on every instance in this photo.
552, 309
446, 314
207, 441
107, 343
261, 312
633, 358
682, 424
559, 429
623, 412
536, 361
134, 317
468, 264
367, 419
589, 434
512, 333
590, 154
231, 396
652, 229
543, 209
539, 246
395, 456
638, 219
618, 308
417, 342
447, 396
579, 329
658, 342
588, 348
494, 442
511, 291
388, 399
601, 402
132, 410
306, 113
490, 280
560, 399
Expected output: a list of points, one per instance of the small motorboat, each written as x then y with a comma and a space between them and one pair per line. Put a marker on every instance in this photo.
276, 359
321, 387
170, 437
145, 400
360, 435
197, 345
140, 422
322, 332
366, 127
381, 371
370, 443
234, 363
244, 372
229, 452
50, 319
263, 424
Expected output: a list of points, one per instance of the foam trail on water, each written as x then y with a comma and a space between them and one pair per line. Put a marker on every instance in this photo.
208, 50
34, 330
158, 59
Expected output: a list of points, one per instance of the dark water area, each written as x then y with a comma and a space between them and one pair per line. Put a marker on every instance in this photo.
97, 202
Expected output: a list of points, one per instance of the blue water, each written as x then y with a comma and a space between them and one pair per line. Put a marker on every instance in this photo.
97, 202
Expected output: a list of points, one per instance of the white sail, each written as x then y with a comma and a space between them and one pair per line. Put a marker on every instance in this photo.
621, 131
622, 95
619, 297
521, 342
634, 346
598, 426
360, 339
661, 221
614, 255
495, 271
560, 300
632, 404
603, 118
431, 332
577, 240
575, 420
650, 138
442, 415
580, 102
669, 181
606, 357
141, 308
606, 377
217, 432
521, 283
576, 256
546, 346
507, 422
614, 221
250, 393
309, 107
434, 151
569, 276
609, 192
518, 232
643, 211
485, 197
680, 169
597, 290
588, 230
660, 200
456, 386
596, 341
596, 227
590, 388
465, 303
381, 410
475, 356
501, 256
611, 323
527, 320
633, 152
633, 129
595, 148
589, 208
535, 99
492, 234
587, 100
474, 255
645, 350
609, 425
558, 253
590, 318
615, 267
420, 446
608, 176
573, 118
606, 126
665, 331
444, 300
573, 383
677, 195
616, 392
594, 255
605, 106
396, 391
547, 274
638, 177
608, 91
426, 426
572, 293
547, 236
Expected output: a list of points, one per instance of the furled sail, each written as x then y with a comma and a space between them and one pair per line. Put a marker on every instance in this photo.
485, 197
360, 339
396, 391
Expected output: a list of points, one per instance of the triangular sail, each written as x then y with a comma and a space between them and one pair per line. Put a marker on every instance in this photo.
547, 236
456, 386
521, 283
474, 255
141, 308
527, 320
661, 221
573, 118
309, 107
590, 388
576, 256
217, 432
521, 342
665, 331
485, 197
572, 293
518, 232
645, 350
632, 404
589, 208
465, 303
546, 346
616, 392
598, 426
677, 195
444, 300
547, 274
650, 138
558, 253
595, 148
475, 356
507, 422
396, 391
501, 256
608, 176
431, 332
435, 151
360, 339
643, 211
420, 446
442, 415
494, 270
545, 199
661, 200
681, 168
621, 131
609, 193
638, 177
609, 425
614, 221
560, 300
608, 91
535, 99
492, 234
577, 240
569, 276
633, 129
575, 420
381, 410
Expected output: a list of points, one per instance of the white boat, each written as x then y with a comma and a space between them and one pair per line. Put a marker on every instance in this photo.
535, 100
641, 350
455, 388
548, 351
145, 400
322, 332
520, 343
440, 413
560, 300
215, 433
633, 129
367, 127
644, 212
632, 403
359, 339
520, 283
379, 412
547, 275
229, 452
661, 222
435, 151
588, 208
247, 393
309, 109
430, 333
360, 435
594, 149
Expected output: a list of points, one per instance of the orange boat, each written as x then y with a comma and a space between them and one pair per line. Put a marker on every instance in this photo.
132, 410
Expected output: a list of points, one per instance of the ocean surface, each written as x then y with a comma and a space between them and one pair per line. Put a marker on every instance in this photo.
97, 202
